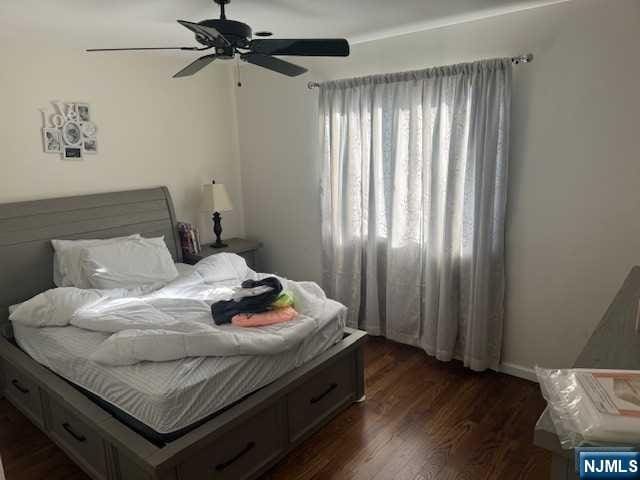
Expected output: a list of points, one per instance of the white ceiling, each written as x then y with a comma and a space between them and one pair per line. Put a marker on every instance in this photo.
137, 23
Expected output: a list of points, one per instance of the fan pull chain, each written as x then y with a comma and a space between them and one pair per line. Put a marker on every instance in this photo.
238, 74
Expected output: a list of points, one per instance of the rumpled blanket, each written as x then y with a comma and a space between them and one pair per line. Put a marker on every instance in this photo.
175, 321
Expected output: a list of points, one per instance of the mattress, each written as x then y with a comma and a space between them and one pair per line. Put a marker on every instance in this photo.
169, 397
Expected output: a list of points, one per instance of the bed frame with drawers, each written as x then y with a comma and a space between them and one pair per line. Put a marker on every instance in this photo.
242, 442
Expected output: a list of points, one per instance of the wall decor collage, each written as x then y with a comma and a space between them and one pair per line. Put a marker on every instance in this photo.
69, 131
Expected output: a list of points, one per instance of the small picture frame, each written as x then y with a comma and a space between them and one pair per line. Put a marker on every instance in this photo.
89, 129
90, 146
72, 153
84, 112
72, 134
71, 113
52, 140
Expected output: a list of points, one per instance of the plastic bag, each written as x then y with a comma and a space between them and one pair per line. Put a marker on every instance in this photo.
593, 407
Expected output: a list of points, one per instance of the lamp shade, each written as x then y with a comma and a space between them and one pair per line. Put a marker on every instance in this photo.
215, 198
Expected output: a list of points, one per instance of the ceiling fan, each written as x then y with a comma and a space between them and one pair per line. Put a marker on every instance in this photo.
229, 38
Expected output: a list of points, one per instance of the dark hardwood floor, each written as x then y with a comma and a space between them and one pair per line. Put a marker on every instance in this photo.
422, 420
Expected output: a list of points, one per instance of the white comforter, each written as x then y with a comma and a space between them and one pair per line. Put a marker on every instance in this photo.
175, 321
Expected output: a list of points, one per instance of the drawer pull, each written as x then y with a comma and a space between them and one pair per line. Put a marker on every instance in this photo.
78, 437
19, 387
244, 451
329, 389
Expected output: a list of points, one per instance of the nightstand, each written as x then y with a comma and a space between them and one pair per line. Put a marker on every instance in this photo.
245, 248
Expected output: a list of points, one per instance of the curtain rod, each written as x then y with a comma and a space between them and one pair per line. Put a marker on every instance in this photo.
526, 58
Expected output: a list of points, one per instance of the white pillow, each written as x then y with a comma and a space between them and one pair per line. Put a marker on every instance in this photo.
53, 308
128, 264
67, 271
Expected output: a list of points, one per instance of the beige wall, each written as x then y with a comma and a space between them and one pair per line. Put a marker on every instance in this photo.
574, 209
153, 130
574, 216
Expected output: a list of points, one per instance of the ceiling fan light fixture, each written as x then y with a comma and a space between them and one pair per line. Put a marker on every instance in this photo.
231, 38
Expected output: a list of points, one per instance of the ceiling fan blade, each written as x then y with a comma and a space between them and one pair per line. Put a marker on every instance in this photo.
209, 33
196, 66
275, 64
312, 47
141, 48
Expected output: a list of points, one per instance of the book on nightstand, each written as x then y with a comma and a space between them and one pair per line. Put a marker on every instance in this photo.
189, 239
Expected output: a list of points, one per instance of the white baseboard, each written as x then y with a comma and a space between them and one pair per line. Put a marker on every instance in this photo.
513, 370
518, 371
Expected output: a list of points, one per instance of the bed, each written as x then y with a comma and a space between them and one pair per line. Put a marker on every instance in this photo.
186, 419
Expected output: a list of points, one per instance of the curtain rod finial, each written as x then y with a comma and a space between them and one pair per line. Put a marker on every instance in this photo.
522, 59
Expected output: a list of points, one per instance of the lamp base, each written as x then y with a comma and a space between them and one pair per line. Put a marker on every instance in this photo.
218, 245
217, 230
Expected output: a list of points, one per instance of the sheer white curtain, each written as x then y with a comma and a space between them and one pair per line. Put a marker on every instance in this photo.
414, 189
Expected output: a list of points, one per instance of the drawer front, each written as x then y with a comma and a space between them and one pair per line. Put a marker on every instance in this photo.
24, 392
84, 443
311, 403
241, 452
129, 470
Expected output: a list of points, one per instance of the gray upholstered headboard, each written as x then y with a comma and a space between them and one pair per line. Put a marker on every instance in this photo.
26, 228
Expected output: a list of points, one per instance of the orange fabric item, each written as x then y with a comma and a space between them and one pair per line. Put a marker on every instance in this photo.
271, 317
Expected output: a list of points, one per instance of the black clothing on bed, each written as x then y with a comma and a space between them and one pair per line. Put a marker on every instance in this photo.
224, 310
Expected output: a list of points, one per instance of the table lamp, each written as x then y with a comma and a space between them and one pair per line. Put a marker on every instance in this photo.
216, 199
